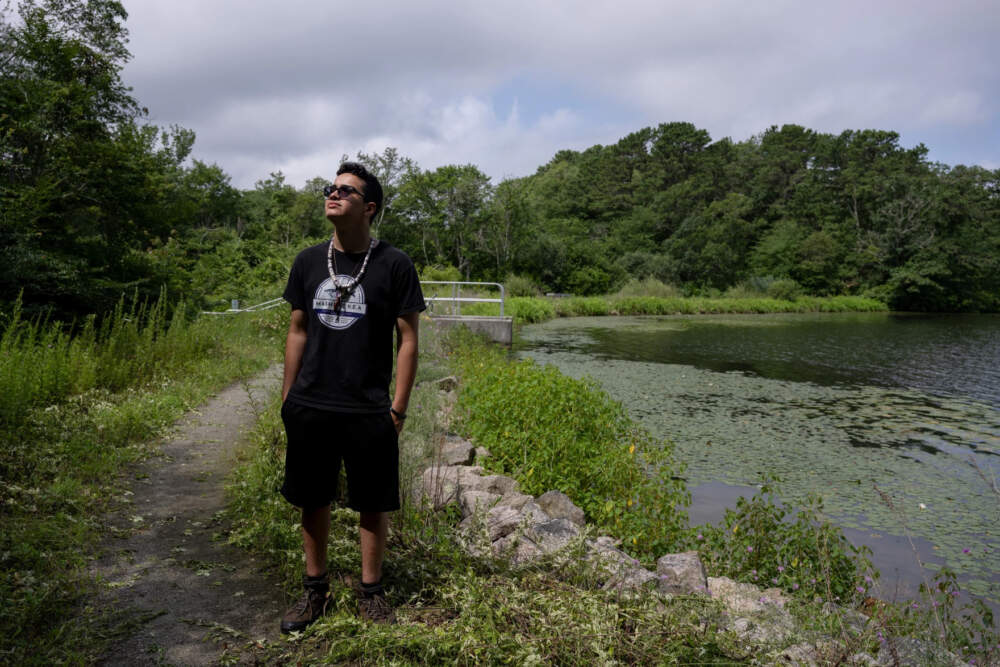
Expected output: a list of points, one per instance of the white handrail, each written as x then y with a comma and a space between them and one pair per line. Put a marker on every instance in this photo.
456, 294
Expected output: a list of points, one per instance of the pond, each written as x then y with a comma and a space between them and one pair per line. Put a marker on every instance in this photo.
893, 420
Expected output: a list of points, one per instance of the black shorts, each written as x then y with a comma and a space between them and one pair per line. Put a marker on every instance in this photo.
319, 439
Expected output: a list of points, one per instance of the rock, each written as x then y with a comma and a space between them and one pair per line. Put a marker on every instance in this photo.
911, 651
631, 578
470, 500
559, 506
853, 621
681, 574
516, 500
552, 535
482, 453
744, 598
443, 485
501, 521
760, 616
449, 383
516, 548
456, 451
800, 655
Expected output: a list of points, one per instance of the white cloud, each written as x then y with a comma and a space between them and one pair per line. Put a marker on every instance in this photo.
294, 85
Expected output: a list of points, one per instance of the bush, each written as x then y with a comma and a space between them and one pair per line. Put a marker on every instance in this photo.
808, 556
520, 286
435, 272
784, 289
529, 310
648, 287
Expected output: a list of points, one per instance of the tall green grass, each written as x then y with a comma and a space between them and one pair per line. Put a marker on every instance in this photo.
550, 431
75, 409
539, 309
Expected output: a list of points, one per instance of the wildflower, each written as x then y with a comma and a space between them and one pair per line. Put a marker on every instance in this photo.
922, 506
954, 594
868, 579
965, 551
774, 580
795, 586
781, 568
749, 549
700, 536
860, 589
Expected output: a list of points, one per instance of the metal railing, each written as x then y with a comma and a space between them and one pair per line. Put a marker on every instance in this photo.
456, 299
235, 307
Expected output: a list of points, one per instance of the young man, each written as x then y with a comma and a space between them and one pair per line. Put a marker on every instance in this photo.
348, 295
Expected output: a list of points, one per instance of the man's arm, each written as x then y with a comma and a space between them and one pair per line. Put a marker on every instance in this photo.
295, 345
406, 362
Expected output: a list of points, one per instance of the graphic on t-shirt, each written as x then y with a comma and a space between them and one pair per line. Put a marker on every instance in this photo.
349, 312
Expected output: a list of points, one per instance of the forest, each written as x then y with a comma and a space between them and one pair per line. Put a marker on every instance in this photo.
98, 203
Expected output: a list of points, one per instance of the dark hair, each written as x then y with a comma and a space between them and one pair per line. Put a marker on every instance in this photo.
373, 189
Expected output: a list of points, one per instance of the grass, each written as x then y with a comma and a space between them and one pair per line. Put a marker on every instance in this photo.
651, 297
75, 411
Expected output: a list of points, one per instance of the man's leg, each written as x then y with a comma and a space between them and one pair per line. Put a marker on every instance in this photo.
374, 526
315, 531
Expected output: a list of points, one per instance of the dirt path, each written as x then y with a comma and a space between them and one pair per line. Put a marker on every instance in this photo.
186, 593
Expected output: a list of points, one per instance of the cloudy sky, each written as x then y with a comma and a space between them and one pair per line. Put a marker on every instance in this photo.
293, 85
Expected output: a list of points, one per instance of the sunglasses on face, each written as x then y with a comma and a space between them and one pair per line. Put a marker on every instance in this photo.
343, 191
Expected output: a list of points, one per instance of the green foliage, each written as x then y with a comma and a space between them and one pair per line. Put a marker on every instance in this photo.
75, 410
516, 285
550, 431
530, 309
785, 289
807, 556
648, 287
538, 309
437, 272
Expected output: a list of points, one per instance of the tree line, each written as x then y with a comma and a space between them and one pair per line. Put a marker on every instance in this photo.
96, 202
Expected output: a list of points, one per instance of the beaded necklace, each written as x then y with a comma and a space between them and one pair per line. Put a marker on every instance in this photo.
345, 289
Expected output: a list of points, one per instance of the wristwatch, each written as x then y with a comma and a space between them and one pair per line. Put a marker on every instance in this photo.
399, 415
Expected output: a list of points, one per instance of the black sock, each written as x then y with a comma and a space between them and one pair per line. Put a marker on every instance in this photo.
369, 590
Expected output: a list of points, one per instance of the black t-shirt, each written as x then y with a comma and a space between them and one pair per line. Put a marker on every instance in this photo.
347, 361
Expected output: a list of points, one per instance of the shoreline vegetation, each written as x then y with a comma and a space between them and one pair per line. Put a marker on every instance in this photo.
78, 410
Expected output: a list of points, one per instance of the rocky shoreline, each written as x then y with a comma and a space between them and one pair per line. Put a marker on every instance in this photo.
498, 521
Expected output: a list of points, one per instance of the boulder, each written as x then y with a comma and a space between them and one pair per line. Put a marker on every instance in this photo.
501, 521
912, 651
559, 506
681, 574
516, 548
757, 616
631, 578
456, 451
444, 484
471, 500
449, 383
744, 598
552, 535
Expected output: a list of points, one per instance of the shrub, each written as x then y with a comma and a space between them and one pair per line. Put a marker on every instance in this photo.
785, 289
520, 286
529, 310
808, 556
435, 272
648, 287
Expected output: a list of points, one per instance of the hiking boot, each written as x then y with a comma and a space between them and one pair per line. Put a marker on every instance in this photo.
373, 607
311, 606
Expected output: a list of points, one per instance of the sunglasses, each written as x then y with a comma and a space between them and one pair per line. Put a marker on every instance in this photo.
343, 191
